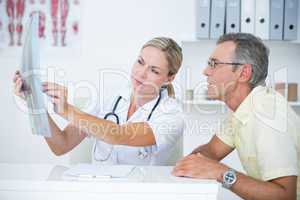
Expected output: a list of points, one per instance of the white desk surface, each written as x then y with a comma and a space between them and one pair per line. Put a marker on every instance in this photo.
39, 181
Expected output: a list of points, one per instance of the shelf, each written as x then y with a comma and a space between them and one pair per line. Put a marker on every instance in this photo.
218, 103
296, 103
198, 40
204, 102
191, 40
296, 41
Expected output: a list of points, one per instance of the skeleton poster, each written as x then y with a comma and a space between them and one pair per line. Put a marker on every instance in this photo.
59, 25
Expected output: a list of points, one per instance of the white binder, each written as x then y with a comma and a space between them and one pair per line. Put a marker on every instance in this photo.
203, 18
247, 16
217, 26
233, 16
276, 19
262, 19
290, 20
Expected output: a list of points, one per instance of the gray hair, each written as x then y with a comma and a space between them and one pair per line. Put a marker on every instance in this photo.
250, 50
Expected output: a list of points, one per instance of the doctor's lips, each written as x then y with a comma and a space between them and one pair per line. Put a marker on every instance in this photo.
136, 80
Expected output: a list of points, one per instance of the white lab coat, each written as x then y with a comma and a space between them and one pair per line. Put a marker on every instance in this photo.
167, 123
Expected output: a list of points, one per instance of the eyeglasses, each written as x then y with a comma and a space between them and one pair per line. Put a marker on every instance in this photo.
212, 63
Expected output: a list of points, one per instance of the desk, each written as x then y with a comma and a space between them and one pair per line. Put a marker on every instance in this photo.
38, 181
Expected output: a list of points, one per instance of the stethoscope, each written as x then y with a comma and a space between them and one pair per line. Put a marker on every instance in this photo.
142, 153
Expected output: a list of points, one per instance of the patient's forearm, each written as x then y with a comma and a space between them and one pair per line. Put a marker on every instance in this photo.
282, 188
204, 150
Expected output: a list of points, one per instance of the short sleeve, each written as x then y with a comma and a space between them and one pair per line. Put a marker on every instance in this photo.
167, 124
276, 152
227, 131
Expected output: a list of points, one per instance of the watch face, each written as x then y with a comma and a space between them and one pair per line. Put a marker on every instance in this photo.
230, 177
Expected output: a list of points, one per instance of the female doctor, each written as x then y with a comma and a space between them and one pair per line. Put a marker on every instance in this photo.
142, 127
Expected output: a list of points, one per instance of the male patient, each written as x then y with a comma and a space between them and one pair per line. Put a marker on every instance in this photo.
262, 127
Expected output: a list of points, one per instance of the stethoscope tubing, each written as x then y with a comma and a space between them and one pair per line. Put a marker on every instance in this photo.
117, 120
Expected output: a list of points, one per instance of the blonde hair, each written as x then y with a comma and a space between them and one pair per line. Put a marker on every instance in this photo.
173, 54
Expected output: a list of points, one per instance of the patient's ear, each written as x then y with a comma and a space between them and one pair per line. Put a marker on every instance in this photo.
246, 73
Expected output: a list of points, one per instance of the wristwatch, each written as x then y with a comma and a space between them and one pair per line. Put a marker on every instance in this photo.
229, 178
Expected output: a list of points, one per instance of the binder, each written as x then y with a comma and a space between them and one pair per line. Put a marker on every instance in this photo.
247, 16
233, 16
290, 20
217, 26
276, 19
203, 18
262, 19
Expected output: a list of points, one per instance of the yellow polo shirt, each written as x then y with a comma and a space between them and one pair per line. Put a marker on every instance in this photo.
266, 133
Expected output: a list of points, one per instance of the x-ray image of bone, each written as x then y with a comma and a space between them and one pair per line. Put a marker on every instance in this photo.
15, 12
59, 11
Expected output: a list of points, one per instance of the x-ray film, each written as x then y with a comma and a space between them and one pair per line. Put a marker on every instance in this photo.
32, 86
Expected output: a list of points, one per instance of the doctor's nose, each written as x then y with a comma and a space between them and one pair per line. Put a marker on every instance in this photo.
143, 72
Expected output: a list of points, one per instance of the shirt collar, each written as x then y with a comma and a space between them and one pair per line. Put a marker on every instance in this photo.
149, 105
245, 109
127, 92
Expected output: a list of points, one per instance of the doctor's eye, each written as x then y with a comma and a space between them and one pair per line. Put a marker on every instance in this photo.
154, 71
140, 62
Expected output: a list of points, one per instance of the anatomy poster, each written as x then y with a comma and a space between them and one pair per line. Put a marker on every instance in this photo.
59, 25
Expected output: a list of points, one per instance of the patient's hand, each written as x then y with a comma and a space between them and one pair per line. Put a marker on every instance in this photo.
199, 166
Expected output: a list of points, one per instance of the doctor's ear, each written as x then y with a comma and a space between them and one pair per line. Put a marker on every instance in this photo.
170, 79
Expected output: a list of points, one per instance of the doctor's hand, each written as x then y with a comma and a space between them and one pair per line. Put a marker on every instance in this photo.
199, 166
18, 85
59, 97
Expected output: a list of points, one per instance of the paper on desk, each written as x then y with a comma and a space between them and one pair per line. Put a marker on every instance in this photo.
97, 172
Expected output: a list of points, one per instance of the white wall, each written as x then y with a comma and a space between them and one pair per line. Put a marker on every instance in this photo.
113, 32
